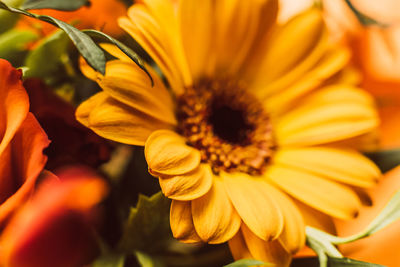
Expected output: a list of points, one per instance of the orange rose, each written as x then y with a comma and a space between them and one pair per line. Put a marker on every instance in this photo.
101, 15
22, 141
56, 227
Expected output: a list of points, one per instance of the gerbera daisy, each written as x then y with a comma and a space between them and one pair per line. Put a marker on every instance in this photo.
248, 137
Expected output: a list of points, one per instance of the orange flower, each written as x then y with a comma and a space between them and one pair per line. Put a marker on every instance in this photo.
101, 15
55, 228
376, 51
382, 247
22, 141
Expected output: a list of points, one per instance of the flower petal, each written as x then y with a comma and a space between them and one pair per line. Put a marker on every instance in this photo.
154, 26
341, 165
270, 252
298, 38
14, 103
187, 186
238, 247
293, 236
315, 218
166, 153
114, 120
23, 166
251, 198
214, 217
238, 28
182, 223
315, 191
316, 122
127, 83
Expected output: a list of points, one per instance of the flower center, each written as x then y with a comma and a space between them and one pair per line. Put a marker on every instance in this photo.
227, 125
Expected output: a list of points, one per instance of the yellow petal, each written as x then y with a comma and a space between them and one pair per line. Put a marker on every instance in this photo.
293, 236
188, 186
315, 218
182, 223
344, 166
164, 13
214, 217
130, 85
296, 38
147, 33
332, 198
270, 252
88, 71
283, 93
238, 247
251, 198
116, 121
317, 122
197, 34
237, 25
116, 52
166, 153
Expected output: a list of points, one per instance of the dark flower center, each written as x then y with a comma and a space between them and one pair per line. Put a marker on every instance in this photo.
227, 125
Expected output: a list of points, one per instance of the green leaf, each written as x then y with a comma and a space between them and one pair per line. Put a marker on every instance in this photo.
7, 19
148, 224
45, 59
339, 262
66, 5
247, 263
15, 41
86, 47
126, 50
109, 260
385, 159
364, 20
146, 260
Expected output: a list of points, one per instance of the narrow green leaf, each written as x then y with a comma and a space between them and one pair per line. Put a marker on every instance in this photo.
66, 5
389, 214
126, 50
339, 262
247, 263
15, 41
7, 19
110, 260
45, 59
146, 260
86, 47
148, 224
385, 159
364, 20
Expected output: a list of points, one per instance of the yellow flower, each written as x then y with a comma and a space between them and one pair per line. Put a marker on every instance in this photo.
256, 135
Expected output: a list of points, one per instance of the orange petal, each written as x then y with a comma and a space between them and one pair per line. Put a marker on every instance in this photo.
54, 228
386, 244
166, 153
214, 217
26, 161
14, 103
188, 186
251, 198
182, 223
